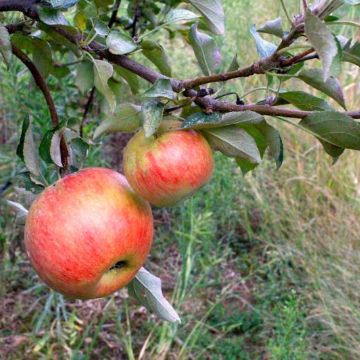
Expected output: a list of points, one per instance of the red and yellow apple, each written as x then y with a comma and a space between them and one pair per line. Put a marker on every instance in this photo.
168, 167
89, 233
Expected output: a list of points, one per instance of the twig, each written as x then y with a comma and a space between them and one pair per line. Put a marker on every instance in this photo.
40, 82
86, 110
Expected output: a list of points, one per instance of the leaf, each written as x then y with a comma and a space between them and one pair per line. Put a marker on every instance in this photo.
120, 43
234, 64
322, 40
245, 165
78, 149
5, 45
330, 87
42, 56
213, 12
51, 16
351, 54
131, 79
336, 128
234, 142
26, 149
274, 141
157, 55
161, 88
273, 27
180, 15
206, 51
20, 210
127, 119
151, 113
334, 151
146, 289
305, 101
62, 4
84, 76
200, 120
45, 152
264, 47
103, 71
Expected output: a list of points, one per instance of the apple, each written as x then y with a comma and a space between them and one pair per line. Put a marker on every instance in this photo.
88, 234
168, 167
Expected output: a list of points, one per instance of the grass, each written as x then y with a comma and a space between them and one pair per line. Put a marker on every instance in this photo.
265, 266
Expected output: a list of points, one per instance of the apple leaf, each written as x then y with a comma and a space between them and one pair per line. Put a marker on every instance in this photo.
273, 27
330, 87
157, 55
126, 118
213, 12
152, 114
264, 48
84, 76
26, 149
161, 89
146, 289
234, 142
5, 45
120, 43
322, 40
20, 210
207, 53
335, 128
103, 71
201, 120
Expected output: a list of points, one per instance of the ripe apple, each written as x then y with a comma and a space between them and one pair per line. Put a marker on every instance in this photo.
168, 167
89, 233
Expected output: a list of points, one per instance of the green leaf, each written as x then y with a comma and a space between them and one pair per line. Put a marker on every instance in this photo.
213, 12
200, 120
322, 40
157, 55
42, 56
161, 89
245, 165
334, 151
331, 87
351, 54
264, 47
103, 71
234, 142
180, 15
49, 149
151, 113
26, 149
146, 289
273, 27
51, 16
127, 118
120, 43
131, 79
61, 4
84, 76
206, 51
305, 101
336, 128
5, 45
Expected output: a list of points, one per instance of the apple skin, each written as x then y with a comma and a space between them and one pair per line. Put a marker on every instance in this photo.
166, 168
83, 225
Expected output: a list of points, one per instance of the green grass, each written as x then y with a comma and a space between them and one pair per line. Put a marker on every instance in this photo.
265, 266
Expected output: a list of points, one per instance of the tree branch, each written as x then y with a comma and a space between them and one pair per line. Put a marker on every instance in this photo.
275, 61
28, 7
40, 82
